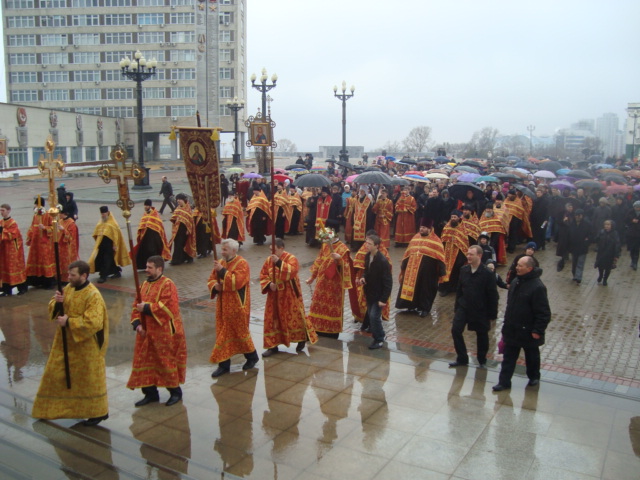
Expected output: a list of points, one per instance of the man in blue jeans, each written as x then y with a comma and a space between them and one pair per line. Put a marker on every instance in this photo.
377, 283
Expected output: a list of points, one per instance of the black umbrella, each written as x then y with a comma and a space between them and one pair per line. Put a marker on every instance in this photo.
466, 168
589, 184
372, 168
424, 160
579, 174
410, 161
373, 177
400, 181
565, 163
550, 166
473, 163
612, 177
526, 191
358, 168
595, 159
513, 159
345, 164
460, 189
312, 180
505, 176
331, 160
526, 165
295, 165
441, 159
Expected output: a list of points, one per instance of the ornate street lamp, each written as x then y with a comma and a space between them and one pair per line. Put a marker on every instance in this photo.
235, 106
531, 128
344, 155
634, 113
139, 70
263, 88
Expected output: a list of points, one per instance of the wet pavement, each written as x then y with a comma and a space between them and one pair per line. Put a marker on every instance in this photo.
337, 410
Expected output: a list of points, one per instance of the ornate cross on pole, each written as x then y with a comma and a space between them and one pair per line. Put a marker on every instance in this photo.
122, 174
51, 167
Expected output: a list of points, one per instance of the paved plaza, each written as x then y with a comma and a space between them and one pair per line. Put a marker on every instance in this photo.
337, 410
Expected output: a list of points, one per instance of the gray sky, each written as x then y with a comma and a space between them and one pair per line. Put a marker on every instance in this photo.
454, 65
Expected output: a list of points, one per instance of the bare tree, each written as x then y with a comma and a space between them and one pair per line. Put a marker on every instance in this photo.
390, 147
287, 146
486, 140
417, 140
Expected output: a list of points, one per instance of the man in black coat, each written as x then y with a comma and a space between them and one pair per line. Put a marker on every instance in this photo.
476, 305
166, 190
525, 321
579, 240
632, 221
377, 283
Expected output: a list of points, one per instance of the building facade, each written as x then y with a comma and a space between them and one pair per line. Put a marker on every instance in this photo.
64, 55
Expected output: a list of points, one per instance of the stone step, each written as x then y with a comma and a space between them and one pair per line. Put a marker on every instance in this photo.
62, 449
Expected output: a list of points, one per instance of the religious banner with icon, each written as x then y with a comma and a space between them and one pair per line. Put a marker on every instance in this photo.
260, 133
201, 163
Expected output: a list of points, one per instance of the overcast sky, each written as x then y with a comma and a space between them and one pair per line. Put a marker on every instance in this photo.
453, 65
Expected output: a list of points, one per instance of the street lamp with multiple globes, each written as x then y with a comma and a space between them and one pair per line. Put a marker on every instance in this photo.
531, 128
139, 70
235, 105
263, 88
344, 154
634, 113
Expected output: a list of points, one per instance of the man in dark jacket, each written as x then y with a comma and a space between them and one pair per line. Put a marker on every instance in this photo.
525, 321
632, 221
579, 240
166, 190
377, 283
476, 305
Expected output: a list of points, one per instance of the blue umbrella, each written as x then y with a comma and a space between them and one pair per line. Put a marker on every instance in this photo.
563, 171
487, 178
393, 159
441, 159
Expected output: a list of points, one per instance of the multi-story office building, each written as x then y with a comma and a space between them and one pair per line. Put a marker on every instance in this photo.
65, 55
608, 130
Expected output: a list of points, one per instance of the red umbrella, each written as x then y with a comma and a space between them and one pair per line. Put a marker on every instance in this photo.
281, 178
279, 170
414, 172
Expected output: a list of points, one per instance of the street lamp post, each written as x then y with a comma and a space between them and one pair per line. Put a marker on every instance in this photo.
263, 88
634, 113
531, 128
235, 105
139, 70
343, 97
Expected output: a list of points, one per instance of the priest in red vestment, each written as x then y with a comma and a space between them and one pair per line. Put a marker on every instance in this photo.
12, 267
151, 239
41, 262
183, 232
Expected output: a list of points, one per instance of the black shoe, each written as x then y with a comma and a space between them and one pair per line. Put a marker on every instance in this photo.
533, 382
599, 278
22, 292
189, 261
249, 364
634, 266
604, 283
300, 346
443, 293
376, 345
411, 310
92, 422
147, 400
102, 280
5, 294
482, 365
423, 313
499, 388
116, 275
269, 352
219, 371
458, 364
173, 399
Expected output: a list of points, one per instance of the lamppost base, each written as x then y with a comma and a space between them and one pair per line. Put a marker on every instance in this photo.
236, 159
143, 183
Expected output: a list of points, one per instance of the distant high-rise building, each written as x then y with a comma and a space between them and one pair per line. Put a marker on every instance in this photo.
607, 130
65, 55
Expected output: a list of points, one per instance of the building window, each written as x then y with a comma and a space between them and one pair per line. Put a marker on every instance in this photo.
154, 92
55, 58
225, 18
123, 112
119, 93
113, 75
21, 22
186, 18
151, 37
87, 94
154, 111
22, 40
20, 96
226, 73
183, 110
86, 39
84, 3
23, 77
38, 152
89, 110
183, 74
53, 40
226, 55
150, 18
182, 3
85, 20
226, 2
226, 92
86, 76
183, 92
223, 110
183, 37
76, 154
18, 157
22, 59
151, 3
226, 35
55, 95
20, 4
117, 3
183, 55
159, 55
53, 21
161, 74
55, 77
113, 57
90, 153
121, 38
53, 3
118, 19
86, 57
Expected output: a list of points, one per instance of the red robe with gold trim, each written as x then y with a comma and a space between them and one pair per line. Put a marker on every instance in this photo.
67, 245
233, 220
516, 209
160, 356
419, 247
233, 307
152, 221
360, 214
348, 216
184, 216
455, 240
322, 209
359, 303
285, 321
406, 219
12, 267
41, 261
495, 226
384, 215
333, 278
